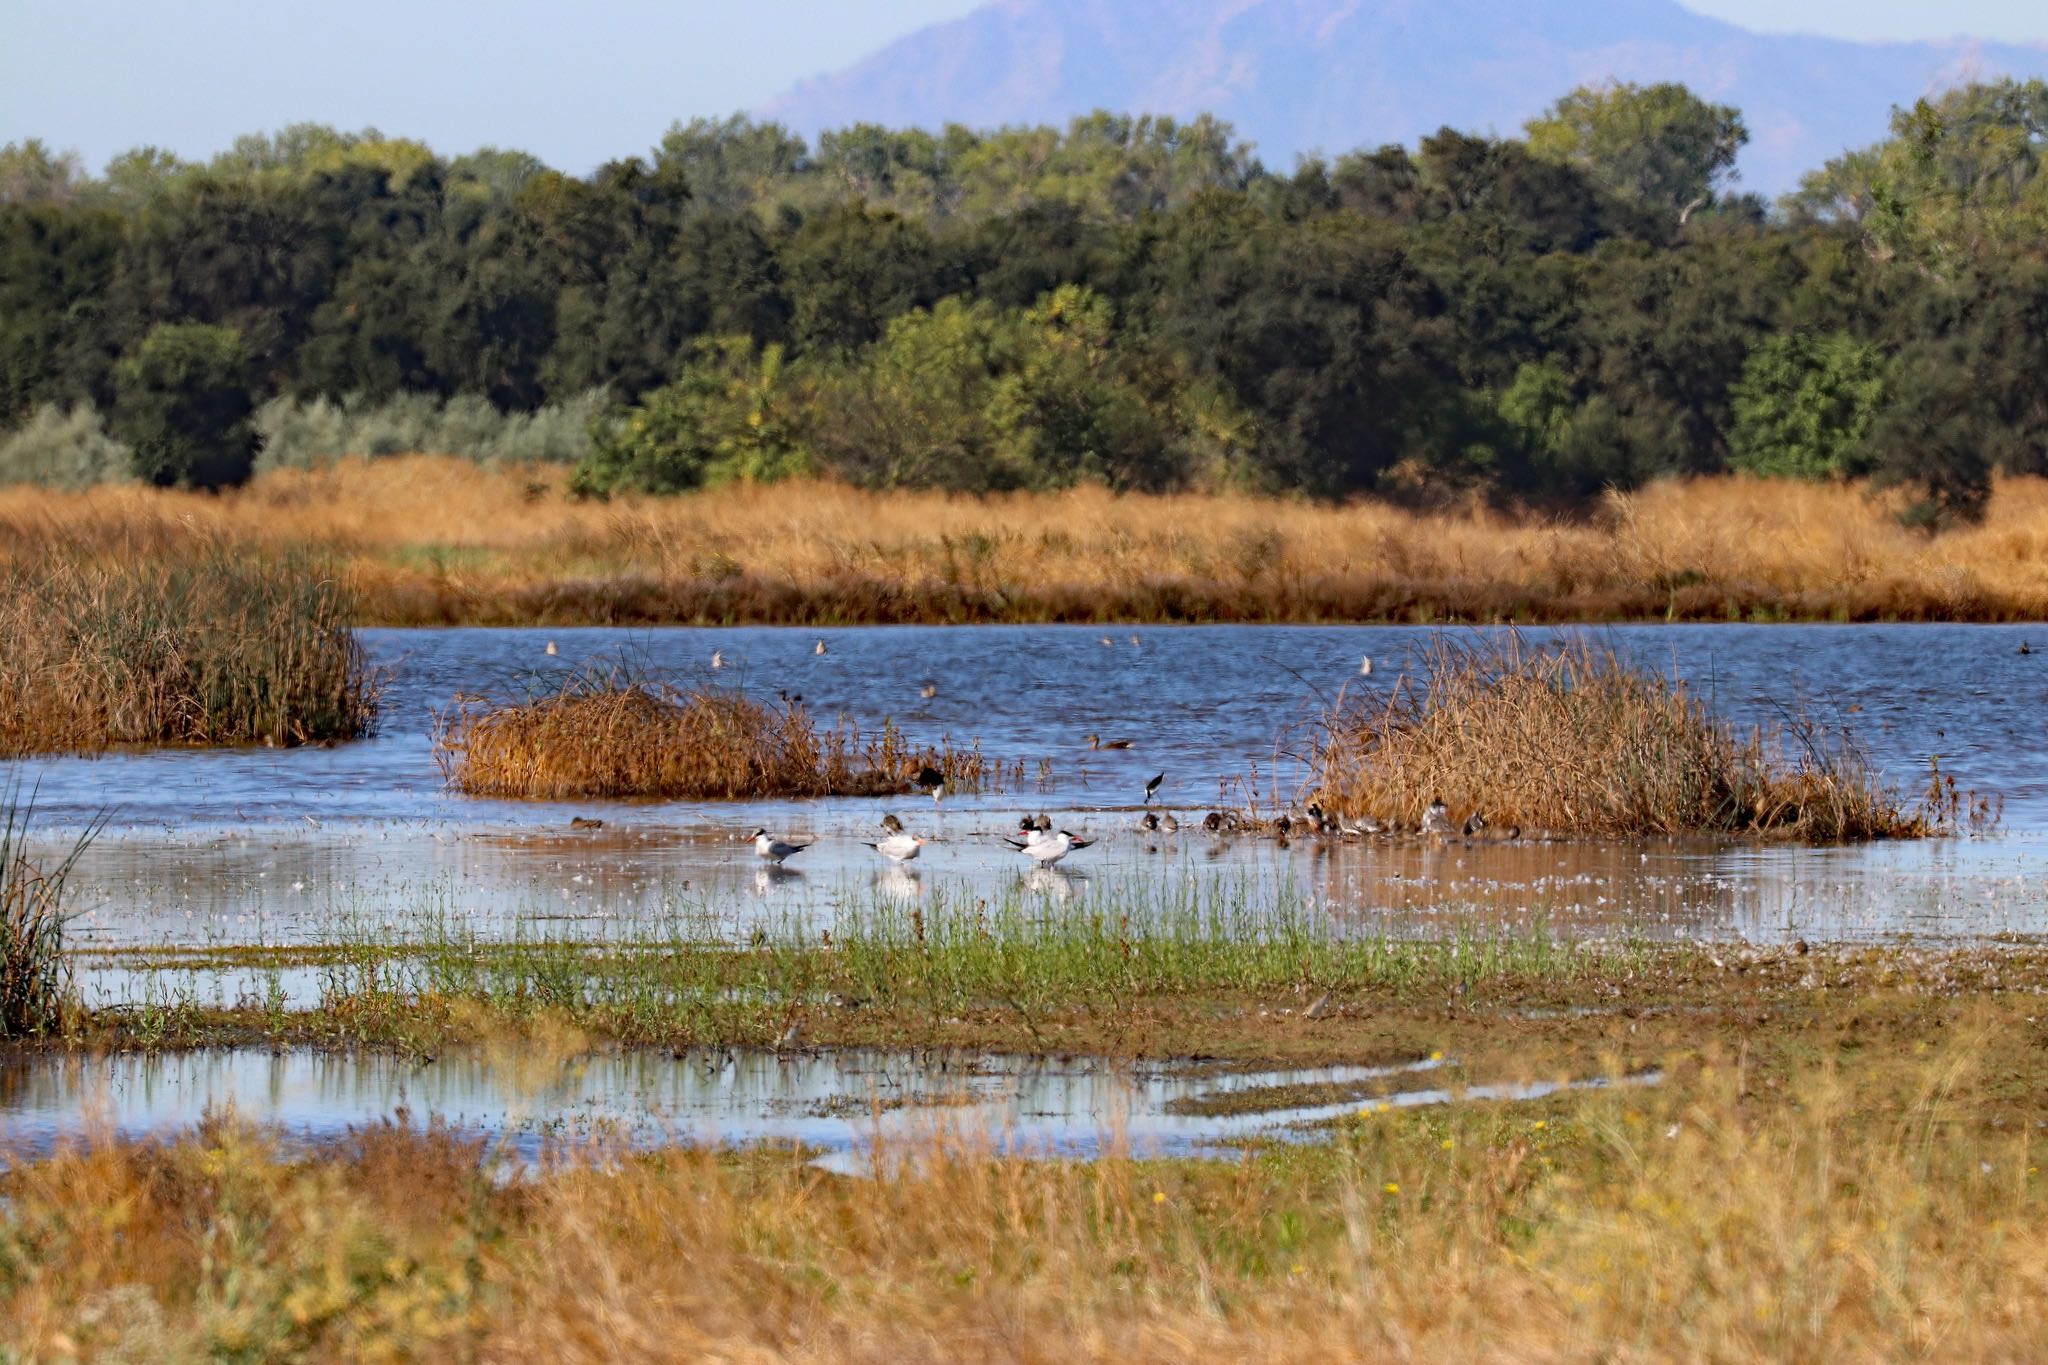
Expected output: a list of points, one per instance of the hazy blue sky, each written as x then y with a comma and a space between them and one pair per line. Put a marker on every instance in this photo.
575, 84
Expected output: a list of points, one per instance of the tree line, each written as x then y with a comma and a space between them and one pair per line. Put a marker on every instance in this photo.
1134, 301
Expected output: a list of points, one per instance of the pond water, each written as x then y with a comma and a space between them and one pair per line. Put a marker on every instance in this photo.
290, 846
852, 1107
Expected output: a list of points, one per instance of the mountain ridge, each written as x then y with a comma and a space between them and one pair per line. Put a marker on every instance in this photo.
1305, 76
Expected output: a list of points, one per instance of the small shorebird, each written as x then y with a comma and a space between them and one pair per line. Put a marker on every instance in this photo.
1098, 742
1050, 848
1437, 819
1150, 823
890, 824
1152, 787
1365, 825
775, 850
898, 848
928, 691
1474, 823
932, 782
1168, 825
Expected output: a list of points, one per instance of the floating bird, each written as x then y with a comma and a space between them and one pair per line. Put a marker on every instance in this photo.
820, 649
928, 691
1437, 819
1098, 742
775, 850
585, 822
1051, 848
718, 658
1365, 667
891, 824
1107, 641
1365, 825
2025, 648
898, 848
552, 651
1152, 786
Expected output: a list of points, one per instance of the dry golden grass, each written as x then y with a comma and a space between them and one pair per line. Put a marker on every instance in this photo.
194, 645
1574, 739
608, 733
439, 540
1703, 1221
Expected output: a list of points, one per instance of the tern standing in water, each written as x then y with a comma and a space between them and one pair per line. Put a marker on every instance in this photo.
1047, 849
898, 848
775, 850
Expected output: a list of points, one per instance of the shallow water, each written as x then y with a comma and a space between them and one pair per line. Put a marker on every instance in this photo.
850, 1106
296, 846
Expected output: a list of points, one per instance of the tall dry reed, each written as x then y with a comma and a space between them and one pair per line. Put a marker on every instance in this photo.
612, 732
192, 644
435, 540
1574, 739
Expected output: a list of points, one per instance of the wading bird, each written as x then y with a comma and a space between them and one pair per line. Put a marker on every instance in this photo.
1050, 848
898, 848
932, 783
775, 850
1152, 787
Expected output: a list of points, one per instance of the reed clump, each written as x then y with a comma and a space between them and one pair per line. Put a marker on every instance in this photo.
1573, 739
198, 645
35, 978
612, 733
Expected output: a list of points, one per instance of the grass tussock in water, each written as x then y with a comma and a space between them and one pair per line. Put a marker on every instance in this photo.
35, 976
606, 733
436, 540
1577, 740
191, 643
1729, 1214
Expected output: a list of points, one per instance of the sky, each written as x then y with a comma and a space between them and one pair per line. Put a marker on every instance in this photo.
574, 84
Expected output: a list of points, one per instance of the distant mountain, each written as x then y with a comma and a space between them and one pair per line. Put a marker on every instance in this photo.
1306, 75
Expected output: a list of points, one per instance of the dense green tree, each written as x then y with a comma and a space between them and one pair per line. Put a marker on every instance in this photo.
184, 407
726, 416
1660, 146
1804, 404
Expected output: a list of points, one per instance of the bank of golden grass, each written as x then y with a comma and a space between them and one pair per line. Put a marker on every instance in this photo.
113, 643
1575, 739
437, 540
1725, 1215
608, 733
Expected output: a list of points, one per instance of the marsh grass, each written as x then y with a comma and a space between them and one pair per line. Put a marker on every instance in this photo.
206, 647
1011, 960
35, 975
1728, 1216
441, 540
1574, 739
612, 731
